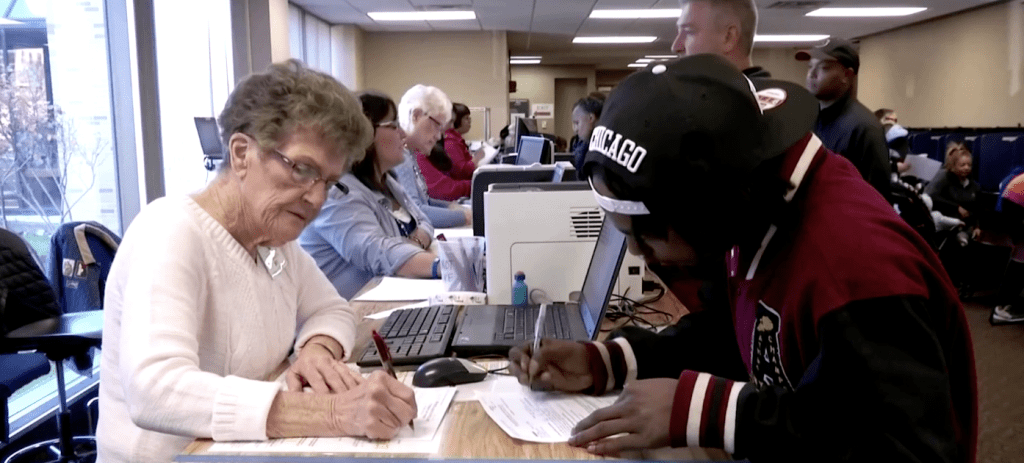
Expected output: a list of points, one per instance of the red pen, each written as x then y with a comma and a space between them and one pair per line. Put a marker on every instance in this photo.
385, 358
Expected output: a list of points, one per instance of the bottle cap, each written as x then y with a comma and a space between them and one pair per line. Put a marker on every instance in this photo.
520, 275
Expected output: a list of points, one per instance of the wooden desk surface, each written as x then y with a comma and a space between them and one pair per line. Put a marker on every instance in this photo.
468, 431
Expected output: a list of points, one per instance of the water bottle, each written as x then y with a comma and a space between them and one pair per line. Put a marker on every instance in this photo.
520, 291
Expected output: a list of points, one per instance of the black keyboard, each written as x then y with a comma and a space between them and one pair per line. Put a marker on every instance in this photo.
519, 322
414, 335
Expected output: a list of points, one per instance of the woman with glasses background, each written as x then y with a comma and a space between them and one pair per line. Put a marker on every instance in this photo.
424, 113
208, 294
375, 228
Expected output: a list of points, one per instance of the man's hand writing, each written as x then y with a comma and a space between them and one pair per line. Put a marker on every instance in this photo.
558, 365
639, 419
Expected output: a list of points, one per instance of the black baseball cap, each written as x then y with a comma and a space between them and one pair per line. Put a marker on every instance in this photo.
841, 50
678, 130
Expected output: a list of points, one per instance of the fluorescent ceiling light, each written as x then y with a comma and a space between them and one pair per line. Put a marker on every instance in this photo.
789, 38
637, 14
662, 56
523, 57
864, 12
9, 22
421, 15
524, 61
645, 60
636, 65
640, 39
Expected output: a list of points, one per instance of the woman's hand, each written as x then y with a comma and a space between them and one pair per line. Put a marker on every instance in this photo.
975, 234
378, 408
964, 213
639, 419
421, 238
558, 365
319, 368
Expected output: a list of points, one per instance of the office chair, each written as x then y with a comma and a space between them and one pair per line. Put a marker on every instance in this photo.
30, 321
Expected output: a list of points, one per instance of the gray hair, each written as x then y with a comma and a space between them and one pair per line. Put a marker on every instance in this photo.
744, 11
430, 100
270, 105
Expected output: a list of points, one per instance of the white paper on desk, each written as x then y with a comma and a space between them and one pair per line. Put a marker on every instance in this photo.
402, 289
541, 416
433, 404
386, 313
489, 153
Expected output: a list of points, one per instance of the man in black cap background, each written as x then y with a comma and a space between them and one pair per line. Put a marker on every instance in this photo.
845, 125
842, 338
722, 27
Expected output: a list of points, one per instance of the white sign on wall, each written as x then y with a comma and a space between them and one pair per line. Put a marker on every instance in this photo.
543, 110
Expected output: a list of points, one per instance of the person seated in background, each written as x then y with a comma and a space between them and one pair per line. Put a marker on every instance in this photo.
1009, 306
886, 116
954, 194
208, 294
896, 139
375, 228
423, 113
585, 113
952, 190
838, 337
448, 168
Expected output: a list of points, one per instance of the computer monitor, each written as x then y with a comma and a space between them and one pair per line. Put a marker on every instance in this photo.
209, 137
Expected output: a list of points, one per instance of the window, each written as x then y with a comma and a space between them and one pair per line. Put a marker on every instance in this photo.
57, 157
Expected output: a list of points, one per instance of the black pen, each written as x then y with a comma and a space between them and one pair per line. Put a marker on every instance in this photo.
385, 359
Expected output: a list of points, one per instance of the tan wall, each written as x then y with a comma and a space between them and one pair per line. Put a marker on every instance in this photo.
782, 63
347, 51
960, 71
471, 67
537, 83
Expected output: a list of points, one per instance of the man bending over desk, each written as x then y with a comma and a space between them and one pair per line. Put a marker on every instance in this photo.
842, 338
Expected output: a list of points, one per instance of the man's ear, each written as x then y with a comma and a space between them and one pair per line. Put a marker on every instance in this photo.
416, 115
238, 150
731, 40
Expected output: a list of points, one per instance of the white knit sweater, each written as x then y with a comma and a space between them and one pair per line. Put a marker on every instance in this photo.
193, 326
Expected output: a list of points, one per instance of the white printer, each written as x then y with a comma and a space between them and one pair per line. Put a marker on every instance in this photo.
547, 231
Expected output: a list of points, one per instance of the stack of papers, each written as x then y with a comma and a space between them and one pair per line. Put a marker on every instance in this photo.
540, 416
402, 289
433, 404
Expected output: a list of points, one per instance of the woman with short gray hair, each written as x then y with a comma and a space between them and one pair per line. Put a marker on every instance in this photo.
209, 294
424, 113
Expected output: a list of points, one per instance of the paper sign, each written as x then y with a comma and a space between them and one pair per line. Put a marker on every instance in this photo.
542, 110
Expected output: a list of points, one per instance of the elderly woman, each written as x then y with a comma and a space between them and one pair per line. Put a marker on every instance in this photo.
423, 113
209, 293
449, 171
375, 228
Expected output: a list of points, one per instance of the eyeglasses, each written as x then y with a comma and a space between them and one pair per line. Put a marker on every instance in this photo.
392, 124
439, 124
305, 174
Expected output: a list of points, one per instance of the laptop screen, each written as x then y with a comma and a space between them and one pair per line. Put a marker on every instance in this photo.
530, 150
209, 136
601, 275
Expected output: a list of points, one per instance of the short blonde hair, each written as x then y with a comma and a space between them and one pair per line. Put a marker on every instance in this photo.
430, 100
268, 106
954, 151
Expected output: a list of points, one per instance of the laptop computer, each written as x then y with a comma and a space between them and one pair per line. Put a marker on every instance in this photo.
493, 329
209, 137
530, 150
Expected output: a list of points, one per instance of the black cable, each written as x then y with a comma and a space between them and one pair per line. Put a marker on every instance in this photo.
629, 309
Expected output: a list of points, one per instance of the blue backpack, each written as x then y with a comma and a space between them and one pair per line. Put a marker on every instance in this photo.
80, 258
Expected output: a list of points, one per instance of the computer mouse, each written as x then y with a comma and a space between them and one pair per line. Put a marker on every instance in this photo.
448, 371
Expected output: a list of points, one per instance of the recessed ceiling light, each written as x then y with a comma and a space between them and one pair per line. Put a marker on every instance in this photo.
789, 38
523, 57
524, 61
421, 15
636, 65
640, 39
864, 12
662, 56
636, 14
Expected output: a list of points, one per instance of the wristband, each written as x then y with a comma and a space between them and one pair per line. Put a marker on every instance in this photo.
433, 268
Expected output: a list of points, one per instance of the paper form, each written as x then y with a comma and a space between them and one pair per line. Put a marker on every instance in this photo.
433, 404
402, 289
540, 416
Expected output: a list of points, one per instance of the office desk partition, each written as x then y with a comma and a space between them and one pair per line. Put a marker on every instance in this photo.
468, 433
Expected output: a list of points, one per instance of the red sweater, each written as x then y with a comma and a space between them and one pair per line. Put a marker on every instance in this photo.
455, 183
